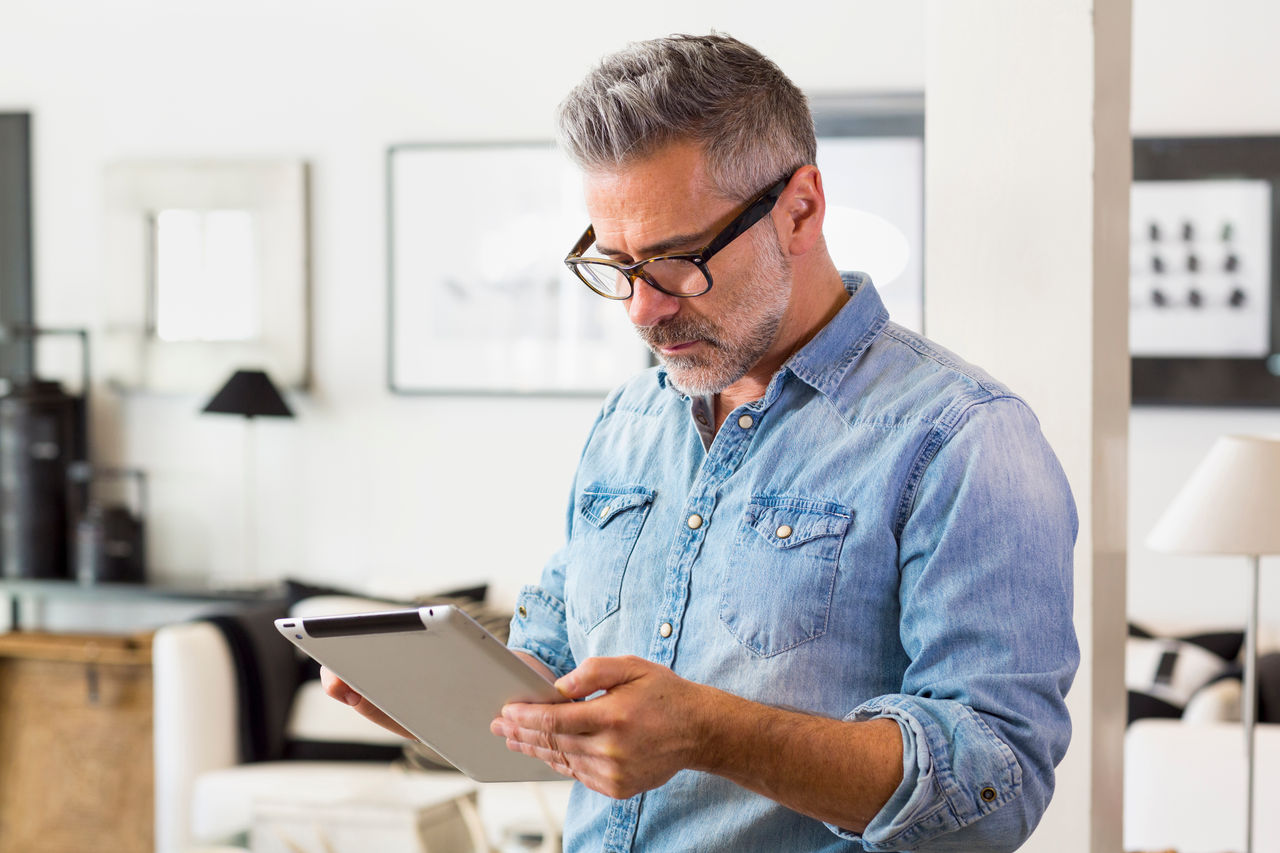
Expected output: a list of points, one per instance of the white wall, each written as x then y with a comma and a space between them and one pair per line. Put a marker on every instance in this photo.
1027, 269
391, 493
1198, 69
363, 489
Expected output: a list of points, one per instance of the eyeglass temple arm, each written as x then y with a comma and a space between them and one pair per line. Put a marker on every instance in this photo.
584, 242
750, 216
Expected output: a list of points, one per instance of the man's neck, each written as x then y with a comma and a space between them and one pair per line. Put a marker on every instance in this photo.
812, 308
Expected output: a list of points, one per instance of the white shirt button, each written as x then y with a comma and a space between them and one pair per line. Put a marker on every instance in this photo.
783, 531
746, 422
665, 629
694, 522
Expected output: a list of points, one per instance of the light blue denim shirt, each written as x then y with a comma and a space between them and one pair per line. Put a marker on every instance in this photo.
885, 533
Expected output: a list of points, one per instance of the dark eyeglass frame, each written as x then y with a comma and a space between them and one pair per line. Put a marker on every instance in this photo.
755, 210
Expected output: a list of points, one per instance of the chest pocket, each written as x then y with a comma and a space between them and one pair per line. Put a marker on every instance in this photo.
778, 585
608, 523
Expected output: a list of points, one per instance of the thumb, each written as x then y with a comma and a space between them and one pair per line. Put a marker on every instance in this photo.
596, 674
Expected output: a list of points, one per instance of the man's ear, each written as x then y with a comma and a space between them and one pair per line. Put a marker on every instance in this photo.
800, 211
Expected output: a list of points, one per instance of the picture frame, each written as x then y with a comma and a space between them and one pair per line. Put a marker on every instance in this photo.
479, 301
267, 204
16, 239
1215, 257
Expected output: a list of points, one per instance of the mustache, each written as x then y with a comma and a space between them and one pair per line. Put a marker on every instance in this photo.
677, 331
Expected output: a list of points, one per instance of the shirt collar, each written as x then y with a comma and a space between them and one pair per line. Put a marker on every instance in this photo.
825, 359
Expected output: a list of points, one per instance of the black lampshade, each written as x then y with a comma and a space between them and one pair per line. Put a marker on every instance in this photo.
250, 393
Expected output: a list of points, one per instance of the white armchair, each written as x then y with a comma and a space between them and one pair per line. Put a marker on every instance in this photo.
1184, 786
205, 795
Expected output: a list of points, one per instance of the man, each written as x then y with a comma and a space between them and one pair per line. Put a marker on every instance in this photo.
818, 570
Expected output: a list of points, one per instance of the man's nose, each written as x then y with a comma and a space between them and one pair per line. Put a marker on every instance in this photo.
649, 306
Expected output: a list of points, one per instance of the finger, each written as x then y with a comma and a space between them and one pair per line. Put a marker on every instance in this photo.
374, 714
562, 753
562, 743
554, 759
596, 674
566, 718
337, 688
340, 690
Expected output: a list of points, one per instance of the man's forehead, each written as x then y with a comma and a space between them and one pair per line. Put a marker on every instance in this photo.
652, 198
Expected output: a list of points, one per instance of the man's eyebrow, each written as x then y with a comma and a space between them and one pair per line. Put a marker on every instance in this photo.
693, 241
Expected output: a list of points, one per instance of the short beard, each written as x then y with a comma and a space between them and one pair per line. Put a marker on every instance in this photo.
743, 334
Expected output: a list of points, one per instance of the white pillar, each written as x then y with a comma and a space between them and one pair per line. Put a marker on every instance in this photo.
1027, 191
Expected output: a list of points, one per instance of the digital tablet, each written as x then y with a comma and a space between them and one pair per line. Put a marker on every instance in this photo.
438, 673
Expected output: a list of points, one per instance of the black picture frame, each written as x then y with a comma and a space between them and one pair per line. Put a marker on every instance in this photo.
16, 266
1220, 382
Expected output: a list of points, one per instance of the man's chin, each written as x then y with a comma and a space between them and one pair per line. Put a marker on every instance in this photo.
694, 381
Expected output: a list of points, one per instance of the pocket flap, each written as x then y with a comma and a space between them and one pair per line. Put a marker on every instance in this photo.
599, 504
787, 522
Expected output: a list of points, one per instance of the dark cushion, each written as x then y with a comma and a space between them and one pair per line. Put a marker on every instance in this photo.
1269, 688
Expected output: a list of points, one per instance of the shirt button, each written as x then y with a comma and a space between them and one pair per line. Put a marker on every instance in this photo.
988, 794
702, 419
694, 522
522, 611
746, 422
783, 531
665, 629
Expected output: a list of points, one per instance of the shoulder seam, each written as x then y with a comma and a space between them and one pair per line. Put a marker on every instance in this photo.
943, 428
931, 353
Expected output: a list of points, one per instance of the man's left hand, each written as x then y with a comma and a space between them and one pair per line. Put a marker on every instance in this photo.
646, 725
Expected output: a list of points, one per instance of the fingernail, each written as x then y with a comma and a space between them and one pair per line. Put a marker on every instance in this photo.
353, 699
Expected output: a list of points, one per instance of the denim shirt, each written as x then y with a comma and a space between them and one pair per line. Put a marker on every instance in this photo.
886, 533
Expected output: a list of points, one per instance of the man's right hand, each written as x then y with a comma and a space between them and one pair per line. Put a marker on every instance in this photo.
340, 690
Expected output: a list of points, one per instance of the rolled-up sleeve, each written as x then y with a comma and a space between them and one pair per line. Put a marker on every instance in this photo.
987, 535
538, 626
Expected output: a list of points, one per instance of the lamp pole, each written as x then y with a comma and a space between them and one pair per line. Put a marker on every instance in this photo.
1250, 696
250, 569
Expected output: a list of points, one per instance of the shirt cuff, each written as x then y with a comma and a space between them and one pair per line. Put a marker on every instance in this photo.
954, 771
538, 629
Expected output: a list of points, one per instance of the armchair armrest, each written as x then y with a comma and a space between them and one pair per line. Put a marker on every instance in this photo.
195, 721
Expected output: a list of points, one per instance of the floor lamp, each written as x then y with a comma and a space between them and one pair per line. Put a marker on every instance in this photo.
1231, 505
251, 394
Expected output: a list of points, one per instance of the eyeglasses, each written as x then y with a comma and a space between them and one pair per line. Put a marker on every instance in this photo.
684, 274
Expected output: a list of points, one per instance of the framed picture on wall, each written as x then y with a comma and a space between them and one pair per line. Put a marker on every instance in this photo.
15, 241
480, 302
1204, 328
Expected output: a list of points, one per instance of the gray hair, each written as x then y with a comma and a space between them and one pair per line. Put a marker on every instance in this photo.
752, 123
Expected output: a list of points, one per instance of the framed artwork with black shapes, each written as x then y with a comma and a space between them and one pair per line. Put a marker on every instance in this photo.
1204, 321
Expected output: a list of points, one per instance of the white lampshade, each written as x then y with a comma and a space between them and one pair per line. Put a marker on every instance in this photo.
1231, 504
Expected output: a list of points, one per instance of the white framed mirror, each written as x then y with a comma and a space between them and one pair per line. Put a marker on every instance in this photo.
206, 271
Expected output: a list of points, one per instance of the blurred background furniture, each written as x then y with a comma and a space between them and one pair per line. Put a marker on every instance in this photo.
75, 733
246, 739
1185, 758
1231, 505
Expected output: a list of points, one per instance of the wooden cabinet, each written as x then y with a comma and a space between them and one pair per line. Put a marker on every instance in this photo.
75, 742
